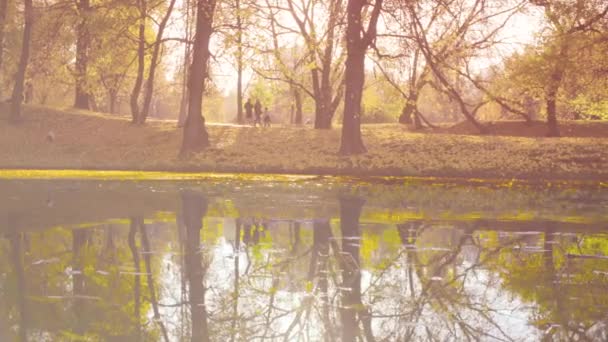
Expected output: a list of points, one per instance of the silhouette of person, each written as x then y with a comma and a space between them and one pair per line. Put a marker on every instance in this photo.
266, 117
258, 113
248, 109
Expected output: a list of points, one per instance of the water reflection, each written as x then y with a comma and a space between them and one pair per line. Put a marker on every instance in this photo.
217, 262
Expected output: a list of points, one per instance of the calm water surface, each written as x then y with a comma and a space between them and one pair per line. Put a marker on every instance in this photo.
308, 260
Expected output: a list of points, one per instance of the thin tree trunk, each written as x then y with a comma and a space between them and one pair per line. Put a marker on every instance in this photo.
183, 106
3, 10
140, 62
83, 42
195, 134
145, 243
136, 275
239, 63
149, 89
17, 97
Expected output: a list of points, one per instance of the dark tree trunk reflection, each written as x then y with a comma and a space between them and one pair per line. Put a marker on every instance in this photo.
352, 308
137, 277
16, 241
194, 207
80, 239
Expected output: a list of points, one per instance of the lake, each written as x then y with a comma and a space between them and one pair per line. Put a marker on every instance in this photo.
302, 259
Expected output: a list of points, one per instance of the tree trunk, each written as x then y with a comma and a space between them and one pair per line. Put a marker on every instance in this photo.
17, 97
149, 89
297, 95
357, 42
3, 9
137, 277
409, 115
183, 105
551, 94
112, 95
553, 130
194, 209
83, 42
239, 63
195, 135
323, 113
352, 143
140, 62
352, 309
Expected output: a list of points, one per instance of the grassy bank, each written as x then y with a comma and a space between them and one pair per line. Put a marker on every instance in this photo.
86, 140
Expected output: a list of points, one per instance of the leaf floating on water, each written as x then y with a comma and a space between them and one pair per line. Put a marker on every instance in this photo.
45, 261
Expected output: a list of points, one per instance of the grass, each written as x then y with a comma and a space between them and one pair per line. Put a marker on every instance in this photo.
93, 141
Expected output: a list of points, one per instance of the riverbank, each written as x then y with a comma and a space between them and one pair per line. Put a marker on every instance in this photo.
86, 140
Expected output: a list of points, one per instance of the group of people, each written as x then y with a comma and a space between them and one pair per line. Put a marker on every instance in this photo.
256, 109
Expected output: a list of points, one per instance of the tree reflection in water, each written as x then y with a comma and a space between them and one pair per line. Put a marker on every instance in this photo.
204, 270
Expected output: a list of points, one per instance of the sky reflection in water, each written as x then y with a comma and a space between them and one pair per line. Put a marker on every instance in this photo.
307, 261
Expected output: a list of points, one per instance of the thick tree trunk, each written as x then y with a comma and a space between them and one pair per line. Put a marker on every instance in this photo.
17, 97
352, 143
112, 98
149, 90
409, 115
553, 130
195, 134
83, 42
141, 51
551, 97
3, 9
323, 114
357, 42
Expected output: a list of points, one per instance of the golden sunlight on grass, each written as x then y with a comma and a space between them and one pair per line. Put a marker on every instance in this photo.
84, 140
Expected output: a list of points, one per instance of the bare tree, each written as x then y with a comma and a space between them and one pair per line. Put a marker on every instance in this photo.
566, 19
322, 55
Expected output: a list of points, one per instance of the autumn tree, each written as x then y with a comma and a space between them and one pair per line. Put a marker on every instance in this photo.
319, 25
195, 136
358, 39
566, 20
17, 97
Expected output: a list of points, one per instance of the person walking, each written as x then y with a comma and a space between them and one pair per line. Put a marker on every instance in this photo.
248, 110
266, 117
258, 113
